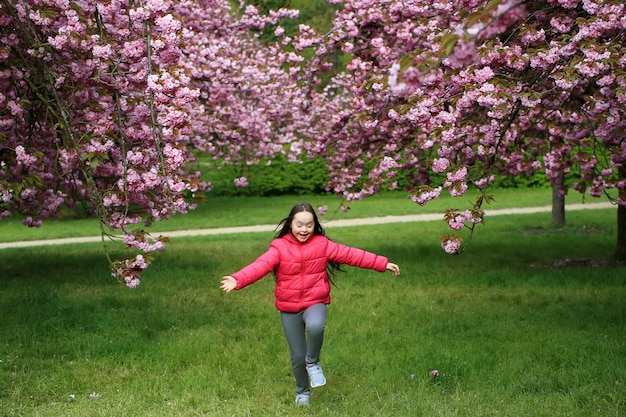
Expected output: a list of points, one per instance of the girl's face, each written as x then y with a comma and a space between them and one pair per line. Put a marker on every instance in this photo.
302, 226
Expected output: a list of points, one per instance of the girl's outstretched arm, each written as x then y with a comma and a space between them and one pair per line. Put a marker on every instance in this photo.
395, 269
228, 283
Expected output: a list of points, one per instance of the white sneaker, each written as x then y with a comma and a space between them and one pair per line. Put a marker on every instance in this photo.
316, 375
303, 398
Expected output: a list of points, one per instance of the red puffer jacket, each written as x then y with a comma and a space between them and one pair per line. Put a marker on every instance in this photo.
301, 278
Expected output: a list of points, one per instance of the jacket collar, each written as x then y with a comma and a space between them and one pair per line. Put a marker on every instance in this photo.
292, 239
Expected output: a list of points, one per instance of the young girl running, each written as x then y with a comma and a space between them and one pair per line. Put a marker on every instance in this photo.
301, 257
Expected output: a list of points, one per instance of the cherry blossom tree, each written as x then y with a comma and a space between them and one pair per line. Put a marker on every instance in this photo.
250, 107
458, 93
101, 104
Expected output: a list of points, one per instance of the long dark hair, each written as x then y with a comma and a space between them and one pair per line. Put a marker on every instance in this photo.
284, 228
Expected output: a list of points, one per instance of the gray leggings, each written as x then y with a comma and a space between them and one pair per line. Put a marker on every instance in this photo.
305, 335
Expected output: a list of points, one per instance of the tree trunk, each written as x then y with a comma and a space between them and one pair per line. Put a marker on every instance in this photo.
620, 247
558, 203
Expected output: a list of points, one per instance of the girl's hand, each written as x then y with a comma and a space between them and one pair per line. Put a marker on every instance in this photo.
228, 283
395, 269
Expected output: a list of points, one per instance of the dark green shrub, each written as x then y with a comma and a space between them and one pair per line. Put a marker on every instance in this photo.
279, 177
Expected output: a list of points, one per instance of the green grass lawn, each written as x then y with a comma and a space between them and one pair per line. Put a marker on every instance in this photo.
529, 321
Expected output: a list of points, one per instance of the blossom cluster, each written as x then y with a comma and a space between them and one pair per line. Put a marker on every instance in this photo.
457, 220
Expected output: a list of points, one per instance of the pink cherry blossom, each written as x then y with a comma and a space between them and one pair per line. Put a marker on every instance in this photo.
241, 182
451, 244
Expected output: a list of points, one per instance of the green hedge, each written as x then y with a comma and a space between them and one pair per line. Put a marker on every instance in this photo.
279, 177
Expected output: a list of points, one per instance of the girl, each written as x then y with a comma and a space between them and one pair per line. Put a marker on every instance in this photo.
301, 256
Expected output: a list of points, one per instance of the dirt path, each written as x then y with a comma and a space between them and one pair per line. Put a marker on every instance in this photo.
333, 223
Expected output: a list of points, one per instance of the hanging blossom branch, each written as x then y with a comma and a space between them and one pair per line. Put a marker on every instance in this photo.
165, 93
83, 65
37, 74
